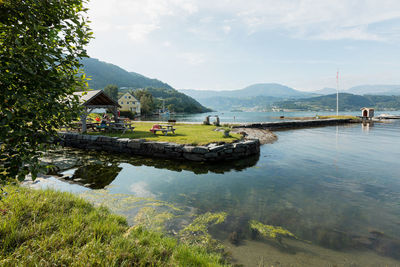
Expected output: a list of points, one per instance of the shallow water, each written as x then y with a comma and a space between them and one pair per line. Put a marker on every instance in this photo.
336, 188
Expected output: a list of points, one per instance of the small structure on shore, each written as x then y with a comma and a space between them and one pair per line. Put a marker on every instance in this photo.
207, 120
367, 113
91, 100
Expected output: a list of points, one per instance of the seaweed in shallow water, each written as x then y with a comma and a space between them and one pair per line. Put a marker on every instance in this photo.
270, 231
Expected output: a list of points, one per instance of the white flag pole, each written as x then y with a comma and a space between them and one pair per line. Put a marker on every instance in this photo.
337, 93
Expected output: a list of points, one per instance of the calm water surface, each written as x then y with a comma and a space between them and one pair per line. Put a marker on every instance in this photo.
228, 116
336, 188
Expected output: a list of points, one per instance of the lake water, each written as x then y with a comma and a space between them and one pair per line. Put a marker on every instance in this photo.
336, 188
228, 116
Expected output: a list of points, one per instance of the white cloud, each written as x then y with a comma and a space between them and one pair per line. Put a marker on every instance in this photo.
193, 58
138, 17
226, 29
325, 20
139, 32
355, 33
167, 44
306, 19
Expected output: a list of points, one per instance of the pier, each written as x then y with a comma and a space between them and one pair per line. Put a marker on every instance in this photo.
283, 125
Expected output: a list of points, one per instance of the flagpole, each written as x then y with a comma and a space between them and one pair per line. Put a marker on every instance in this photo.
337, 93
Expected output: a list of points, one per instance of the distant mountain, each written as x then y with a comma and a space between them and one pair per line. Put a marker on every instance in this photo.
325, 91
253, 103
375, 90
347, 102
254, 97
261, 89
103, 74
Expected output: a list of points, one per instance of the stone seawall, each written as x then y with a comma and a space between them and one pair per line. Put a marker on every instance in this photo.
211, 152
281, 125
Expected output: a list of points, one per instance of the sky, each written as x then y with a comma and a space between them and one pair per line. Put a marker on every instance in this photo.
230, 44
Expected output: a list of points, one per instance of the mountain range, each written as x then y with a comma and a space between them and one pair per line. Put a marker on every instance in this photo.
260, 89
347, 102
260, 96
263, 96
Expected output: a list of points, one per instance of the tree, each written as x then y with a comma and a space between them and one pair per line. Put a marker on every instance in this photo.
145, 98
112, 91
41, 43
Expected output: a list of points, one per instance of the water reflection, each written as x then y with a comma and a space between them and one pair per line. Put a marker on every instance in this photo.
98, 170
337, 187
96, 176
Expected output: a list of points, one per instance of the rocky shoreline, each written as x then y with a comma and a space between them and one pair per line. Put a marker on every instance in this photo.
208, 153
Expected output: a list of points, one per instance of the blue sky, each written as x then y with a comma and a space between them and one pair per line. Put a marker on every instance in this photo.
230, 44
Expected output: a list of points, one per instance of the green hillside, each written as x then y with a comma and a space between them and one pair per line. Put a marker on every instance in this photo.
176, 101
103, 74
347, 102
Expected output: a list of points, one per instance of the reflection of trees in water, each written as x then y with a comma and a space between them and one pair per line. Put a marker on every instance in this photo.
96, 176
107, 159
195, 167
97, 169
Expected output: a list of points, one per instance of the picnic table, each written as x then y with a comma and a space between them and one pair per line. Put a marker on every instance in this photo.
164, 128
103, 126
121, 126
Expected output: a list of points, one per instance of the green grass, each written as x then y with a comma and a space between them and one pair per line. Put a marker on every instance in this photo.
196, 134
45, 227
338, 117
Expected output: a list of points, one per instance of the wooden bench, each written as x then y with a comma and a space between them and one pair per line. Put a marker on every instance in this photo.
165, 129
121, 126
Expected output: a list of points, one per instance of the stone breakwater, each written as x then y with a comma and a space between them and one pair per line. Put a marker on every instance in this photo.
282, 125
211, 152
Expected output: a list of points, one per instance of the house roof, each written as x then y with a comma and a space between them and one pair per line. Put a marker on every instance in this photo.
96, 98
135, 99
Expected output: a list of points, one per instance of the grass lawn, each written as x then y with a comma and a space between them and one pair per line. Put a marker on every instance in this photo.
49, 228
196, 134
338, 117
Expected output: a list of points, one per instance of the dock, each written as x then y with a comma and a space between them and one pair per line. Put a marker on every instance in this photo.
283, 125
387, 117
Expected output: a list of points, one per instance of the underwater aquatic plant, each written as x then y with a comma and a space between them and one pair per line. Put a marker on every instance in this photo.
197, 231
152, 219
270, 231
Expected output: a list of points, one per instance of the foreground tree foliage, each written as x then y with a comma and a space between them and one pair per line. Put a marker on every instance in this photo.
40, 46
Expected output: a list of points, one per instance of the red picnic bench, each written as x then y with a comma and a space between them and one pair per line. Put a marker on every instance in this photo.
164, 128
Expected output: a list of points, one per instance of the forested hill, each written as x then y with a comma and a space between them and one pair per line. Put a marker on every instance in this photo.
347, 102
103, 74
176, 101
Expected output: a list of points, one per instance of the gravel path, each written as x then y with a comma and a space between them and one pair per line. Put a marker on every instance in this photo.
265, 136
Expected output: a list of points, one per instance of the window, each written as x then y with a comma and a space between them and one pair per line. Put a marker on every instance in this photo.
127, 102
125, 97
122, 102
129, 97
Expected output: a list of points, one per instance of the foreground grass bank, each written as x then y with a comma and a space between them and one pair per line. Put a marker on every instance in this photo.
46, 228
196, 134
